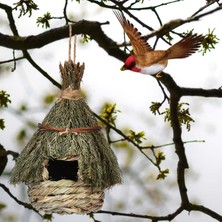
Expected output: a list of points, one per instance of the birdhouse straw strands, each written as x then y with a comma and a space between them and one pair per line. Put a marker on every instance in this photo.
68, 163
65, 196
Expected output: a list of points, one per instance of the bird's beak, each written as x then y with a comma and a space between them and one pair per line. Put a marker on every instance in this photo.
123, 68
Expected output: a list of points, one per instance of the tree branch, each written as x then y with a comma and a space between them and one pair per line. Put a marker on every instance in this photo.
82, 27
206, 211
176, 93
14, 30
26, 205
11, 20
168, 217
201, 92
95, 31
171, 25
43, 72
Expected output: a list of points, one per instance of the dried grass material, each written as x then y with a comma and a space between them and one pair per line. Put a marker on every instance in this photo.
98, 167
65, 197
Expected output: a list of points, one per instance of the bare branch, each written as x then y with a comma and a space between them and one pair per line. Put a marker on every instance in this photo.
167, 27
171, 144
206, 211
26, 205
82, 27
11, 20
168, 217
14, 30
13, 154
12, 60
94, 30
201, 92
204, 7
44, 73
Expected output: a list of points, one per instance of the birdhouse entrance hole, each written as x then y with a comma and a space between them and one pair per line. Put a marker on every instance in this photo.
62, 169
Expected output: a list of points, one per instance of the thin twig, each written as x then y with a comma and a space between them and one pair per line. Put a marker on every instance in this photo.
13, 154
171, 144
168, 217
12, 60
43, 72
14, 30
65, 12
26, 205
204, 7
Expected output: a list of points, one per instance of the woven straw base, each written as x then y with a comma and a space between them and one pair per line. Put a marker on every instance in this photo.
65, 197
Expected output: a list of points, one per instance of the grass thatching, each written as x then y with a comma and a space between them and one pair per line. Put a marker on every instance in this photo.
97, 163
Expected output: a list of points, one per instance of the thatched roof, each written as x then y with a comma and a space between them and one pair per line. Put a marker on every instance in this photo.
70, 115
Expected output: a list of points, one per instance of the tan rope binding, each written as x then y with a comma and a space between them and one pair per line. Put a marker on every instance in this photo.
71, 94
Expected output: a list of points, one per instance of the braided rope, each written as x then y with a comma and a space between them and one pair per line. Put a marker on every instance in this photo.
65, 197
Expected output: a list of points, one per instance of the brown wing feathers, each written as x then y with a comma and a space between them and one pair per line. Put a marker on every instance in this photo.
185, 47
181, 49
140, 46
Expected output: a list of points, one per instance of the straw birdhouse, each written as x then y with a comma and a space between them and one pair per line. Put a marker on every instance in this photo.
68, 164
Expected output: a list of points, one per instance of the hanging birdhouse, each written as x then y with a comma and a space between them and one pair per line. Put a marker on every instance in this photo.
68, 163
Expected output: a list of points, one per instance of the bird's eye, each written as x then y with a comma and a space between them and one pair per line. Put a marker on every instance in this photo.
131, 65
130, 62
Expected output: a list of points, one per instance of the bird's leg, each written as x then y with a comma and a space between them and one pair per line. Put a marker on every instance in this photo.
159, 74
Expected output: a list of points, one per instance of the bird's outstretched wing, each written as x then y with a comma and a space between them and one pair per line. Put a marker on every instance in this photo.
140, 46
185, 47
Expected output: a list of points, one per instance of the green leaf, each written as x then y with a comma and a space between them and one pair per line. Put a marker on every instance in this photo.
163, 174
48, 99
137, 137
4, 99
183, 115
2, 206
2, 124
86, 38
23, 108
25, 6
21, 135
44, 21
209, 41
109, 112
160, 156
154, 108
48, 217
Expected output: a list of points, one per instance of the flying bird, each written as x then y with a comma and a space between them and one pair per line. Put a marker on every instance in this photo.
145, 60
